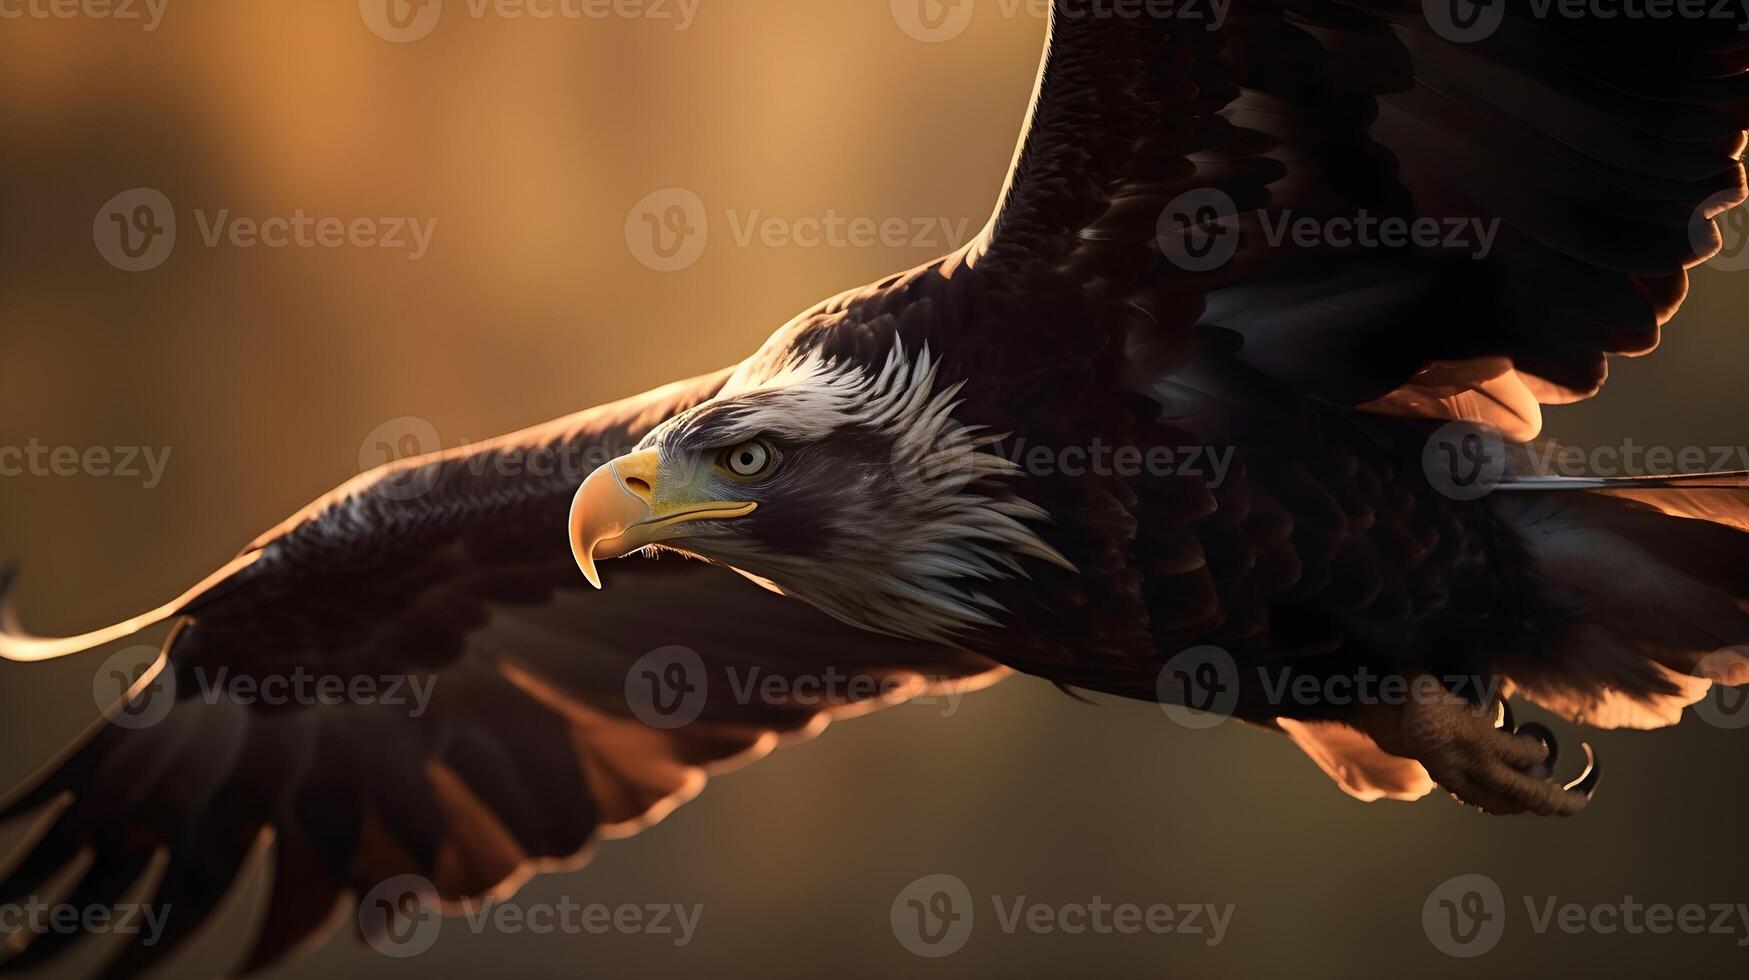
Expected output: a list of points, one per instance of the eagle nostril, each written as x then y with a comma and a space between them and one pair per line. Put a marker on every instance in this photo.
639, 487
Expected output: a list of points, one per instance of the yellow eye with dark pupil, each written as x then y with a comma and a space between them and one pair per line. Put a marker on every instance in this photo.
748, 459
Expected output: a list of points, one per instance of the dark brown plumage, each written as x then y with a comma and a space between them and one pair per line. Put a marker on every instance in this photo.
1325, 552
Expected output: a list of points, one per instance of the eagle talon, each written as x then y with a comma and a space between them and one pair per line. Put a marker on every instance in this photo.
1545, 768
1490, 762
1587, 781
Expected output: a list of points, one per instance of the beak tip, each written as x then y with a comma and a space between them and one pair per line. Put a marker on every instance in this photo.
589, 573
583, 537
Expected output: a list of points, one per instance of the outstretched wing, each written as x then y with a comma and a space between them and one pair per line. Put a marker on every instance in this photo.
1394, 209
408, 678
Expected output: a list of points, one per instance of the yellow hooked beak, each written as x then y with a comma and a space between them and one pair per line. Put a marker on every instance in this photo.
622, 507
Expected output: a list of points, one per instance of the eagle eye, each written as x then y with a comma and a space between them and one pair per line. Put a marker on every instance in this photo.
749, 460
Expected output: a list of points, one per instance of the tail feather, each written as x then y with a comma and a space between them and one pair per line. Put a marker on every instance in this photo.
18, 645
1644, 593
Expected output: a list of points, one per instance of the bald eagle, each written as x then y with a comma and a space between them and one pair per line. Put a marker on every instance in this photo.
863, 510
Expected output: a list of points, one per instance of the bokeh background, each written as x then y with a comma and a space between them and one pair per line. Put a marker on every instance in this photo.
532, 141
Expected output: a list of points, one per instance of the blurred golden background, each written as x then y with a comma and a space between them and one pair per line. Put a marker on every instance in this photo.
532, 142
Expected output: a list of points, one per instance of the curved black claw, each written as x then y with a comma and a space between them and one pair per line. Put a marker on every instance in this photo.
1541, 733
1587, 781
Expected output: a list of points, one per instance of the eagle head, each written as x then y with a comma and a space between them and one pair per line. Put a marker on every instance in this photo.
848, 486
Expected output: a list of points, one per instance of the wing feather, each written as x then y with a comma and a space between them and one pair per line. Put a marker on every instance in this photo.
1583, 162
451, 576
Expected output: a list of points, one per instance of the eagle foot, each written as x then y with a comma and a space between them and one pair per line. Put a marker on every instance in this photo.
1492, 763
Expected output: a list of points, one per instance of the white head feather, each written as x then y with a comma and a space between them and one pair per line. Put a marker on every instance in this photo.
956, 529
